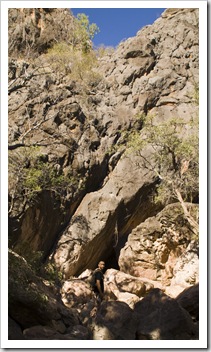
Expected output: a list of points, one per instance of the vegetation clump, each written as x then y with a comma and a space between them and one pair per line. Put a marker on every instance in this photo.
83, 33
76, 57
80, 66
173, 157
36, 263
34, 174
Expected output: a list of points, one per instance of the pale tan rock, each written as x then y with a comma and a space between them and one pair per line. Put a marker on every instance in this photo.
160, 251
119, 281
128, 298
75, 292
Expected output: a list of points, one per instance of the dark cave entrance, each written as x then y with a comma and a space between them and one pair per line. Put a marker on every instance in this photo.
112, 261
113, 258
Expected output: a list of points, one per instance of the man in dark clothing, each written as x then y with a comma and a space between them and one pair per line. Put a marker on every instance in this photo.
99, 280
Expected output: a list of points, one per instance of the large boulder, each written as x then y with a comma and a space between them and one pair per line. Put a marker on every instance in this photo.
32, 302
103, 217
117, 280
162, 318
114, 321
189, 300
75, 292
186, 271
161, 248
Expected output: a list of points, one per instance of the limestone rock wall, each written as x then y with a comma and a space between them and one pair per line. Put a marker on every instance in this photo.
150, 73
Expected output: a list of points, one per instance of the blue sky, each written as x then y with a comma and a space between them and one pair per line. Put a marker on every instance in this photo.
117, 24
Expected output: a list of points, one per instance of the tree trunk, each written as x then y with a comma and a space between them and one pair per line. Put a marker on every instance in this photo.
194, 225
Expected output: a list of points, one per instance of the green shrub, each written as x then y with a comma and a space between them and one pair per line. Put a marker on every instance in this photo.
76, 57
83, 33
29, 175
33, 258
59, 57
80, 66
44, 176
51, 273
173, 157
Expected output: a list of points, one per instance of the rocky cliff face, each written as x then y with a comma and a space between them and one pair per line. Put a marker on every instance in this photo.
75, 195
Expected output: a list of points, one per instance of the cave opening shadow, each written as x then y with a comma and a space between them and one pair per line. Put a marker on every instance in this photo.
113, 258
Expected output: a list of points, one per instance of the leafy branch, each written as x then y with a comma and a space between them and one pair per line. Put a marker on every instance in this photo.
173, 156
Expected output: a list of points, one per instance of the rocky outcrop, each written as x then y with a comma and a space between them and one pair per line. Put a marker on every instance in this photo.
162, 249
76, 196
33, 31
101, 219
48, 217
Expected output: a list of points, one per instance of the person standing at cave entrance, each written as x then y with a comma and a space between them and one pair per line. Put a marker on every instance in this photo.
99, 280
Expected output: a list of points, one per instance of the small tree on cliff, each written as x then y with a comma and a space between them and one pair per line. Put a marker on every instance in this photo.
173, 156
83, 33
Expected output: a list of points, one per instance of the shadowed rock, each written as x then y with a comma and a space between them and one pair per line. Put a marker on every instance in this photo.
162, 318
189, 300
